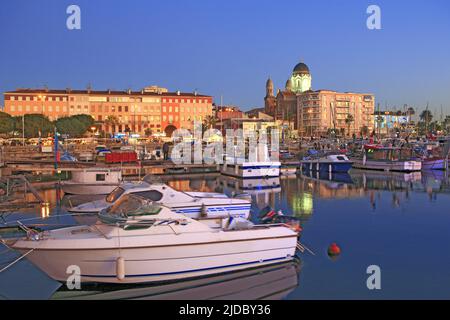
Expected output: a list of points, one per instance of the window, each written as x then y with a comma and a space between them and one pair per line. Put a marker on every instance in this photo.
153, 195
115, 194
100, 177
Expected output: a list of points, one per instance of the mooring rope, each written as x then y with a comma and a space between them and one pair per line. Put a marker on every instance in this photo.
17, 260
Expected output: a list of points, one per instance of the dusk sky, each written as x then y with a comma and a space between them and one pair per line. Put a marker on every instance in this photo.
230, 47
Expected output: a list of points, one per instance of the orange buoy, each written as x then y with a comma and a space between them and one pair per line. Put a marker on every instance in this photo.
334, 250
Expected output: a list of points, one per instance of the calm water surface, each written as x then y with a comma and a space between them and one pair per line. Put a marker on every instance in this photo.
400, 222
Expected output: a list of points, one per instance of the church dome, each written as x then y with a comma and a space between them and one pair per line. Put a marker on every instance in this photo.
301, 68
269, 83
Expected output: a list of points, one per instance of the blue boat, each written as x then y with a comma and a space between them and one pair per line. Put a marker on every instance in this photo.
334, 163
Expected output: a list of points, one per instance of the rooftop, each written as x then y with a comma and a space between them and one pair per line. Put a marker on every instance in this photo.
101, 92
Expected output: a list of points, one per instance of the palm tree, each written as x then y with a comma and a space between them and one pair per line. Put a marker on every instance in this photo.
210, 122
348, 122
364, 131
379, 119
410, 112
112, 121
426, 116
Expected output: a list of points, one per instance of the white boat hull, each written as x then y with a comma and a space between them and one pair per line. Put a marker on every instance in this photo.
87, 189
166, 257
402, 166
252, 170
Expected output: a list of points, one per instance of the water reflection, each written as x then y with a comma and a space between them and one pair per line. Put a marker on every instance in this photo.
271, 282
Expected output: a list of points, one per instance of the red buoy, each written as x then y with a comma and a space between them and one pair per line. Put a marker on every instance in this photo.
334, 250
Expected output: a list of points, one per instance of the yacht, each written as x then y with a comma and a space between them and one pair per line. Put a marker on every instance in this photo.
137, 241
192, 204
92, 181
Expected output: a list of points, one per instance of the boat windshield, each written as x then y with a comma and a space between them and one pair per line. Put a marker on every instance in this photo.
115, 194
129, 206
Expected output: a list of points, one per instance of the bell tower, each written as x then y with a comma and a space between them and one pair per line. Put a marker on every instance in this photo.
269, 99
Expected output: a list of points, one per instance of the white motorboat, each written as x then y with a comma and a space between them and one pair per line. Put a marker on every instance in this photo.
206, 205
136, 241
92, 181
259, 167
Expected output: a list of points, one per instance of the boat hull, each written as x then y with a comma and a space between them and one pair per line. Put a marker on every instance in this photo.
433, 164
87, 189
249, 170
401, 166
324, 166
179, 260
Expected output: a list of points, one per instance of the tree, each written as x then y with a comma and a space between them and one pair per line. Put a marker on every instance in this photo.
74, 126
426, 116
210, 122
447, 124
112, 121
85, 119
34, 123
410, 112
148, 132
365, 131
6, 123
348, 121
70, 126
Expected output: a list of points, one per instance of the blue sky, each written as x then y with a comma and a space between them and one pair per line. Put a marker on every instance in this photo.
230, 47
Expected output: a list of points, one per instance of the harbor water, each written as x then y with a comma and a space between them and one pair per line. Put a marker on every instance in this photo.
398, 222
